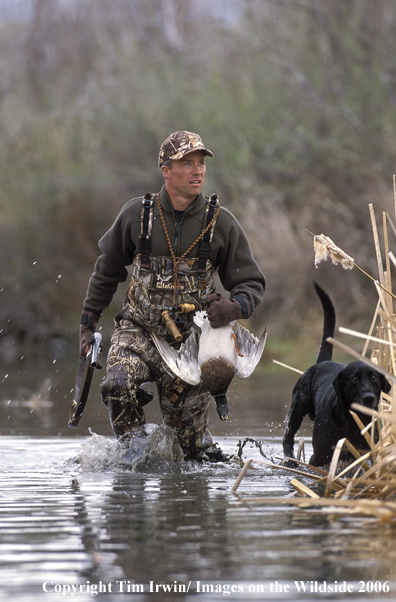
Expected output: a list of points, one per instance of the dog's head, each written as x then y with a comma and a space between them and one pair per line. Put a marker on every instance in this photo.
359, 383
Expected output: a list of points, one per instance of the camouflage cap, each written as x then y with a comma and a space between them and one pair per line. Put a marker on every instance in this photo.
179, 144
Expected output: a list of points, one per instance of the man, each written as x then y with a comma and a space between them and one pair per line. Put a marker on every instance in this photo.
175, 241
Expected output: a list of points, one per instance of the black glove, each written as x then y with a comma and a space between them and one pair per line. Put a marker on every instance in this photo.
221, 310
87, 329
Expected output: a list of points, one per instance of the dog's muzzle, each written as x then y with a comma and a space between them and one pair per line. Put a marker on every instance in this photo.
370, 400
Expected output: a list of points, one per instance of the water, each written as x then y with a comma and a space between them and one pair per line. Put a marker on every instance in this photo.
76, 520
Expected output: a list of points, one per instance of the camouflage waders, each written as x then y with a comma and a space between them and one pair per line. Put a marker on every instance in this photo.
134, 360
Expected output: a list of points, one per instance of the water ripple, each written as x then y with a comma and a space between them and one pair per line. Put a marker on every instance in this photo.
71, 512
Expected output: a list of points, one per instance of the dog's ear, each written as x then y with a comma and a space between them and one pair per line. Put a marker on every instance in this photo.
338, 382
385, 384
337, 402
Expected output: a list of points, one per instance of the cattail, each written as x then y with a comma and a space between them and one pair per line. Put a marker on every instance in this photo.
324, 248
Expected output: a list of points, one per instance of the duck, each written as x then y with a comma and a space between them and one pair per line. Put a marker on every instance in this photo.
214, 357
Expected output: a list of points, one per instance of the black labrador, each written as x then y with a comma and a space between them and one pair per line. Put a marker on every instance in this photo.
326, 391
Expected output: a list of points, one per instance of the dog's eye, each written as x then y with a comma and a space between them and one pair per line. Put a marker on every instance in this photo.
373, 378
354, 379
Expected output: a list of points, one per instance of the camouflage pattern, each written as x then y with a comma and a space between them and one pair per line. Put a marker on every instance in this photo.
152, 290
179, 144
132, 361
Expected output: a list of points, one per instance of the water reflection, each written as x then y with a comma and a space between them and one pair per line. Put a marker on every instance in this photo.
177, 523
63, 521
188, 527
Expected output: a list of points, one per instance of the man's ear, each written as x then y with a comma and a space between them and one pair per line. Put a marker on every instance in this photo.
165, 171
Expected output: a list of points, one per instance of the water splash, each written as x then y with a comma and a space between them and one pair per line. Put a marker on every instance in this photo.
151, 446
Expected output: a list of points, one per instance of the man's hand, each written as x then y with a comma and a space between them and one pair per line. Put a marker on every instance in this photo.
221, 310
87, 330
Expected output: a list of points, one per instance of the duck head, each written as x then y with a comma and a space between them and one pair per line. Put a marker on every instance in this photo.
217, 374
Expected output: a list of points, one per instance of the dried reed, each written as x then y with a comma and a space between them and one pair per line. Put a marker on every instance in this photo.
367, 484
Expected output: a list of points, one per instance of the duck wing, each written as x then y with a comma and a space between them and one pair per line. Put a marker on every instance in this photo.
183, 362
251, 348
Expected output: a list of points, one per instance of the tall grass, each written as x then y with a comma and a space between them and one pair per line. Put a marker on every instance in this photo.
367, 483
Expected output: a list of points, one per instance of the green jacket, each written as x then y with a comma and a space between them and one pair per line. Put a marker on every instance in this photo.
229, 251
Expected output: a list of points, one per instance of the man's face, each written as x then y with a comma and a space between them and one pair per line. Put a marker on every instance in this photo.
185, 178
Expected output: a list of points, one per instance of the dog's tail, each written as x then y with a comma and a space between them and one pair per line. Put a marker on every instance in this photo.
326, 349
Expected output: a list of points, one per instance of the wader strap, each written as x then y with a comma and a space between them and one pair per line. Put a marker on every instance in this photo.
204, 246
146, 224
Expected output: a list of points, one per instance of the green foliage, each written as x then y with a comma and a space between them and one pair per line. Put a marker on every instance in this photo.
296, 99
